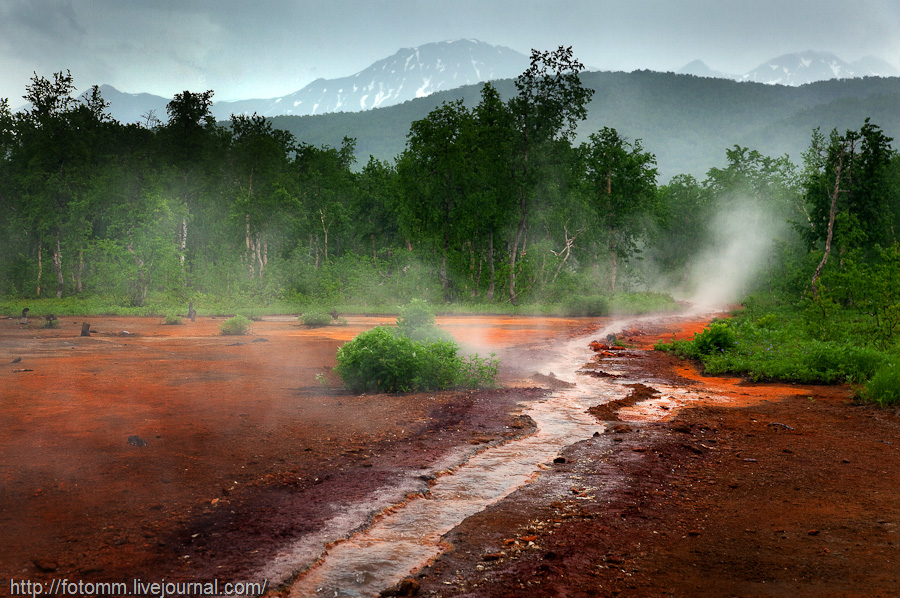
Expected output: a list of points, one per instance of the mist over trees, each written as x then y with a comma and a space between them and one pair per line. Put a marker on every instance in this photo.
491, 201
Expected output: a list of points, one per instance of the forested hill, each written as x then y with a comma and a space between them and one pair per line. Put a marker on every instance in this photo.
686, 121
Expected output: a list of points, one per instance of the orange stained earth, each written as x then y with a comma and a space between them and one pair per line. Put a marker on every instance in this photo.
173, 452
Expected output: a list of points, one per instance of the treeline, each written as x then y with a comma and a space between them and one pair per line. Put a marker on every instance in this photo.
493, 203
686, 120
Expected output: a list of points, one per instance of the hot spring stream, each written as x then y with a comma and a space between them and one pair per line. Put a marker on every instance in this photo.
407, 538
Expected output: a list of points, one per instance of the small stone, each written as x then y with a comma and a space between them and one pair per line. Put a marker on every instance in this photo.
47, 566
407, 587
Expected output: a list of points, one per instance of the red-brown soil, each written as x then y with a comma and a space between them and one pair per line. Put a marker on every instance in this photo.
728, 489
152, 451
741, 490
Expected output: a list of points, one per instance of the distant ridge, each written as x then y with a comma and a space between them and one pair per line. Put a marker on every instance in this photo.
408, 74
418, 72
800, 68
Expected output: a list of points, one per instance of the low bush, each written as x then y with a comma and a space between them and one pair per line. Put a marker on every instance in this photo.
416, 321
414, 356
172, 319
238, 325
778, 346
315, 318
883, 388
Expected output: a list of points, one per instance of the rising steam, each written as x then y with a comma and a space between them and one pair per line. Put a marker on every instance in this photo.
741, 240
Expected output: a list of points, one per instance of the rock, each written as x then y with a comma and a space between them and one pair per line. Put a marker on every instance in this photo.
45, 565
407, 587
135, 440
559, 460
680, 426
16, 360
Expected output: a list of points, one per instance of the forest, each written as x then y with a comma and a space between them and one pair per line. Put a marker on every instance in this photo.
493, 206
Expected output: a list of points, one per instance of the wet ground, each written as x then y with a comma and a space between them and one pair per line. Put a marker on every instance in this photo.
152, 451
157, 451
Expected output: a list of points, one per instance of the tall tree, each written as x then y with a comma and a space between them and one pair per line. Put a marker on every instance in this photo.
550, 102
436, 171
848, 189
621, 182
59, 144
193, 146
260, 165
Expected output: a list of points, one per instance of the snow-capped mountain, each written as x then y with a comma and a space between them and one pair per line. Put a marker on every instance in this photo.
416, 72
410, 73
800, 68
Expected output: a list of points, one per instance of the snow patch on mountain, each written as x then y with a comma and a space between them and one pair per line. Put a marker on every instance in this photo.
410, 73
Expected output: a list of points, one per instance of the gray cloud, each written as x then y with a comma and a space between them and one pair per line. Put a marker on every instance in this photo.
269, 48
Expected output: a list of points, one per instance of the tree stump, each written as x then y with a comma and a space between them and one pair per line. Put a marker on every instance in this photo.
192, 314
85, 329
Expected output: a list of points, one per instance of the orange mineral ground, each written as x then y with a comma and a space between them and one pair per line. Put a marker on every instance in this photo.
172, 452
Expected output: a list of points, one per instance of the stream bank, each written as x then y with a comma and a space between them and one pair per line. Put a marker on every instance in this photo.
751, 490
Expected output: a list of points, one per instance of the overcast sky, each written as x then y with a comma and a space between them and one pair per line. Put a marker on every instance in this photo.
267, 48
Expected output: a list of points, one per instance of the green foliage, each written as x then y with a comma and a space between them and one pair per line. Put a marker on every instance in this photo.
50, 323
717, 337
414, 356
761, 350
383, 361
238, 326
173, 319
587, 305
883, 388
416, 321
315, 318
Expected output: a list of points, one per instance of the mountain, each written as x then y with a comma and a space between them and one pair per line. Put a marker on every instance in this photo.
800, 68
133, 107
410, 73
698, 68
687, 122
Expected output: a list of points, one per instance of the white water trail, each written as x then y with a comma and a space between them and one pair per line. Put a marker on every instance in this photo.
407, 538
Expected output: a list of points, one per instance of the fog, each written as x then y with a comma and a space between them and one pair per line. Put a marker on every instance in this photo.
740, 242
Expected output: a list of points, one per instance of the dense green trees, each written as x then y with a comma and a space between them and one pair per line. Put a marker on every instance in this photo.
486, 192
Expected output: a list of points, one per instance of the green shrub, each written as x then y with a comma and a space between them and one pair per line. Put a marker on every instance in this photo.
385, 360
716, 337
50, 322
315, 318
416, 322
414, 315
238, 325
884, 387
172, 319
379, 360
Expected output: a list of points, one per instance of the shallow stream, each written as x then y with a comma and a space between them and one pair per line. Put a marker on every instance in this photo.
407, 538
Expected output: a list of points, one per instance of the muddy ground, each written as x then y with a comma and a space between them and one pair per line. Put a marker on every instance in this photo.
151, 451
148, 451
742, 490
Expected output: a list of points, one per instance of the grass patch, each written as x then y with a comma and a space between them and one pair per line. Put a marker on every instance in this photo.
777, 345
